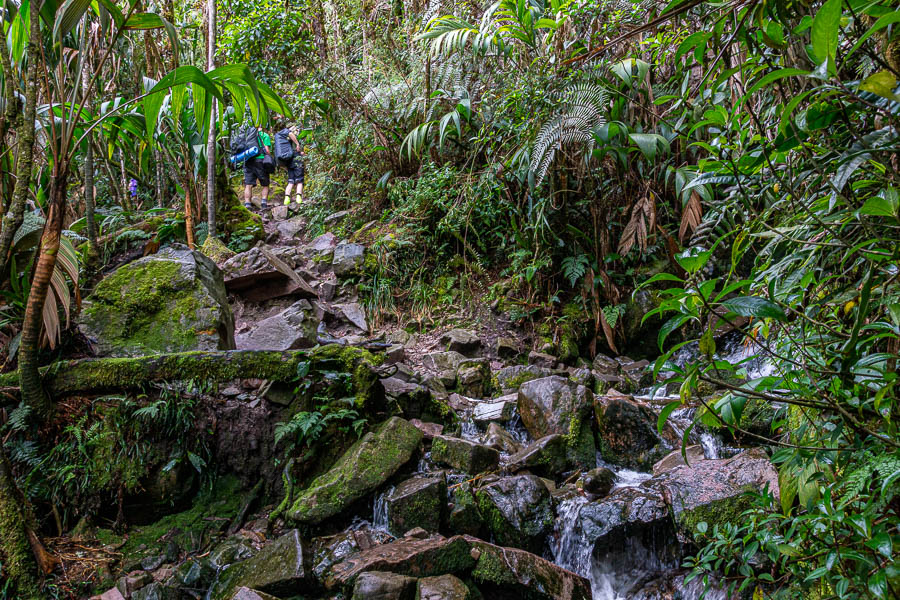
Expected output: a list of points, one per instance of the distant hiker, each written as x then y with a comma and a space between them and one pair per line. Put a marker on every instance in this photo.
289, 155
257, 169
132, 187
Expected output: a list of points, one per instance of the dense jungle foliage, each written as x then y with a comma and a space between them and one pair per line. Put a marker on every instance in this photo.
616, 176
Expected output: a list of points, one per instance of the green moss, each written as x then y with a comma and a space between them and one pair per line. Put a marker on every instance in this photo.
359, 363
718, 513
514, 383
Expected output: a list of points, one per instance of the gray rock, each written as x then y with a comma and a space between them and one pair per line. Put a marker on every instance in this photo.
510, 378
156, 591
542, 359
326, 290
442, 587
553, 405
501, 410
676, 459
380, 585
353, 312
294, 327
522, 574
172, 301
546, 456
290, 228
321, 248
246, 593
429, 430
628, 433
598, 482
517, 511
442, 361
336, 216
280, 212
348, 258
498, 438
472, 379
507, 347
417, 502
605, 365
464, 455
277, 569
461, 340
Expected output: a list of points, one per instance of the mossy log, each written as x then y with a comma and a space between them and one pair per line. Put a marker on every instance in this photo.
99, 375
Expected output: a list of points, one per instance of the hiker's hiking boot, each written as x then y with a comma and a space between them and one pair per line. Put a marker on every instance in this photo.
265, 204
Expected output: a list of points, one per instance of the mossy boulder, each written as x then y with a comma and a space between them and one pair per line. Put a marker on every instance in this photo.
417, 502
173, 301
628, 435
362, 469
463, 455
554, 405
216, 250
546, 456
517, 511
278, 568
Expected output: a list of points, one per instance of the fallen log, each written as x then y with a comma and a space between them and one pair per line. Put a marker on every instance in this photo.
101, 375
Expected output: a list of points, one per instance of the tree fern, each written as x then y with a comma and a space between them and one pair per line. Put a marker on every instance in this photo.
580, 111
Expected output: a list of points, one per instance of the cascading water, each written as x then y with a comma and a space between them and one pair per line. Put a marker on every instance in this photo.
380, 512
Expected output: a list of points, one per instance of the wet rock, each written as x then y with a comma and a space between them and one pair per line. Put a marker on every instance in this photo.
443, 587
435, 555
354, 314
517, 511
462, 341
598, 482
605, 365
553, 405
277, 569
330, 550
676, 459
294, 327
546, 456
348, 258
498, 438
321, 248
714, 491
582, 377
464, 517
507, 347
246, 593
172, 301
463, 455
542, 359
417, 502
364, 467
429, 430
626, 512
526, 575
627, 433
382, 585
510, 378
501, 410
156, 591
194, 573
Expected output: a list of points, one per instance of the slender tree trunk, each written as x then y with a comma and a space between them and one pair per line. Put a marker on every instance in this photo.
19, 563
211, 139
33, 394
7, 118
89, 171
160, 191
16, 210
123, 187
189, 217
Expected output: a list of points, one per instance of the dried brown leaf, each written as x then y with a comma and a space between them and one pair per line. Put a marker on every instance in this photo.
692, 217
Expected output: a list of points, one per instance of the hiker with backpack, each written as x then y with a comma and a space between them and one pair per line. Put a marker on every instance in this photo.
254, 146
289, 155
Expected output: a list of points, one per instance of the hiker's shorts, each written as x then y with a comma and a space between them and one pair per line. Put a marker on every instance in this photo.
296, 172
253, 172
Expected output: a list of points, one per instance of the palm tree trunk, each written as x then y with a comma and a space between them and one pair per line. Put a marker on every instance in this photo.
19, 563
16, 211
211, 138
33, 394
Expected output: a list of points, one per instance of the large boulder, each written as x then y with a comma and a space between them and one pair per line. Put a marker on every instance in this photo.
277, 569
417, 502
498, 438
361, 469
173, 301
463, 455
517, 511
546, 456
554, 405
348, 258
294, 327
628, 434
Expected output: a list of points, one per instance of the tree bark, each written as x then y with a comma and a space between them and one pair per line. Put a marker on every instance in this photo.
99, 375
33, 394
211, 138
7, 118
19, 563
25, 157
89, 170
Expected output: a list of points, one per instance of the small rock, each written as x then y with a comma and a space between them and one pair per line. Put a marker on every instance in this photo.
464, 455
429, 430
135, 580
399, 336
295, 327
502, 410
675, 459
320, 248
394, 354
327, 290
443, 587
442, 361
354, 314
246, 593
155, 591
290, 228
417, 533
110, 594
628, 433
541, 359
605, 365
417, 503
461, 340
278, 568
553, 405
377, 585
598, 482
511, 378
336, 216
348, 258
279, 212
507, 347
464, 517
498, 438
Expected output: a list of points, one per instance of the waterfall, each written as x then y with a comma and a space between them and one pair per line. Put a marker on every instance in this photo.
380, 513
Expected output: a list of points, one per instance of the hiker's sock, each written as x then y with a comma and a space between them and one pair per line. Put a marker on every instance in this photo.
287, 199
265, 203
299, 198
247, 205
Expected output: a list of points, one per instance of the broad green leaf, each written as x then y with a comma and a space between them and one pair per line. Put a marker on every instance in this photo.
883, 83
649, 143
664, 414
824, 34
67, 17
693, 259
883, 205
754, 306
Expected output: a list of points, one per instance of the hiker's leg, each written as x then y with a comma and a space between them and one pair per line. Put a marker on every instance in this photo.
264, 182
300, 192
248, 194
287, 193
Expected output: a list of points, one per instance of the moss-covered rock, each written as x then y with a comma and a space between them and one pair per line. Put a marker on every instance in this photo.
553, 405
517, 511
364, 467
521, 574
546, 456
277, 569
627, 433
172, 301
216, 250
463, 455
442, 587
417, 502
243, 227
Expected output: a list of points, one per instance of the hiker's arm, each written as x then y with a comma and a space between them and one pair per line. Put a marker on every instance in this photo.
296, 142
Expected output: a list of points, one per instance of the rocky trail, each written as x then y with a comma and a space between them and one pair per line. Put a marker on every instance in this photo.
486, 470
